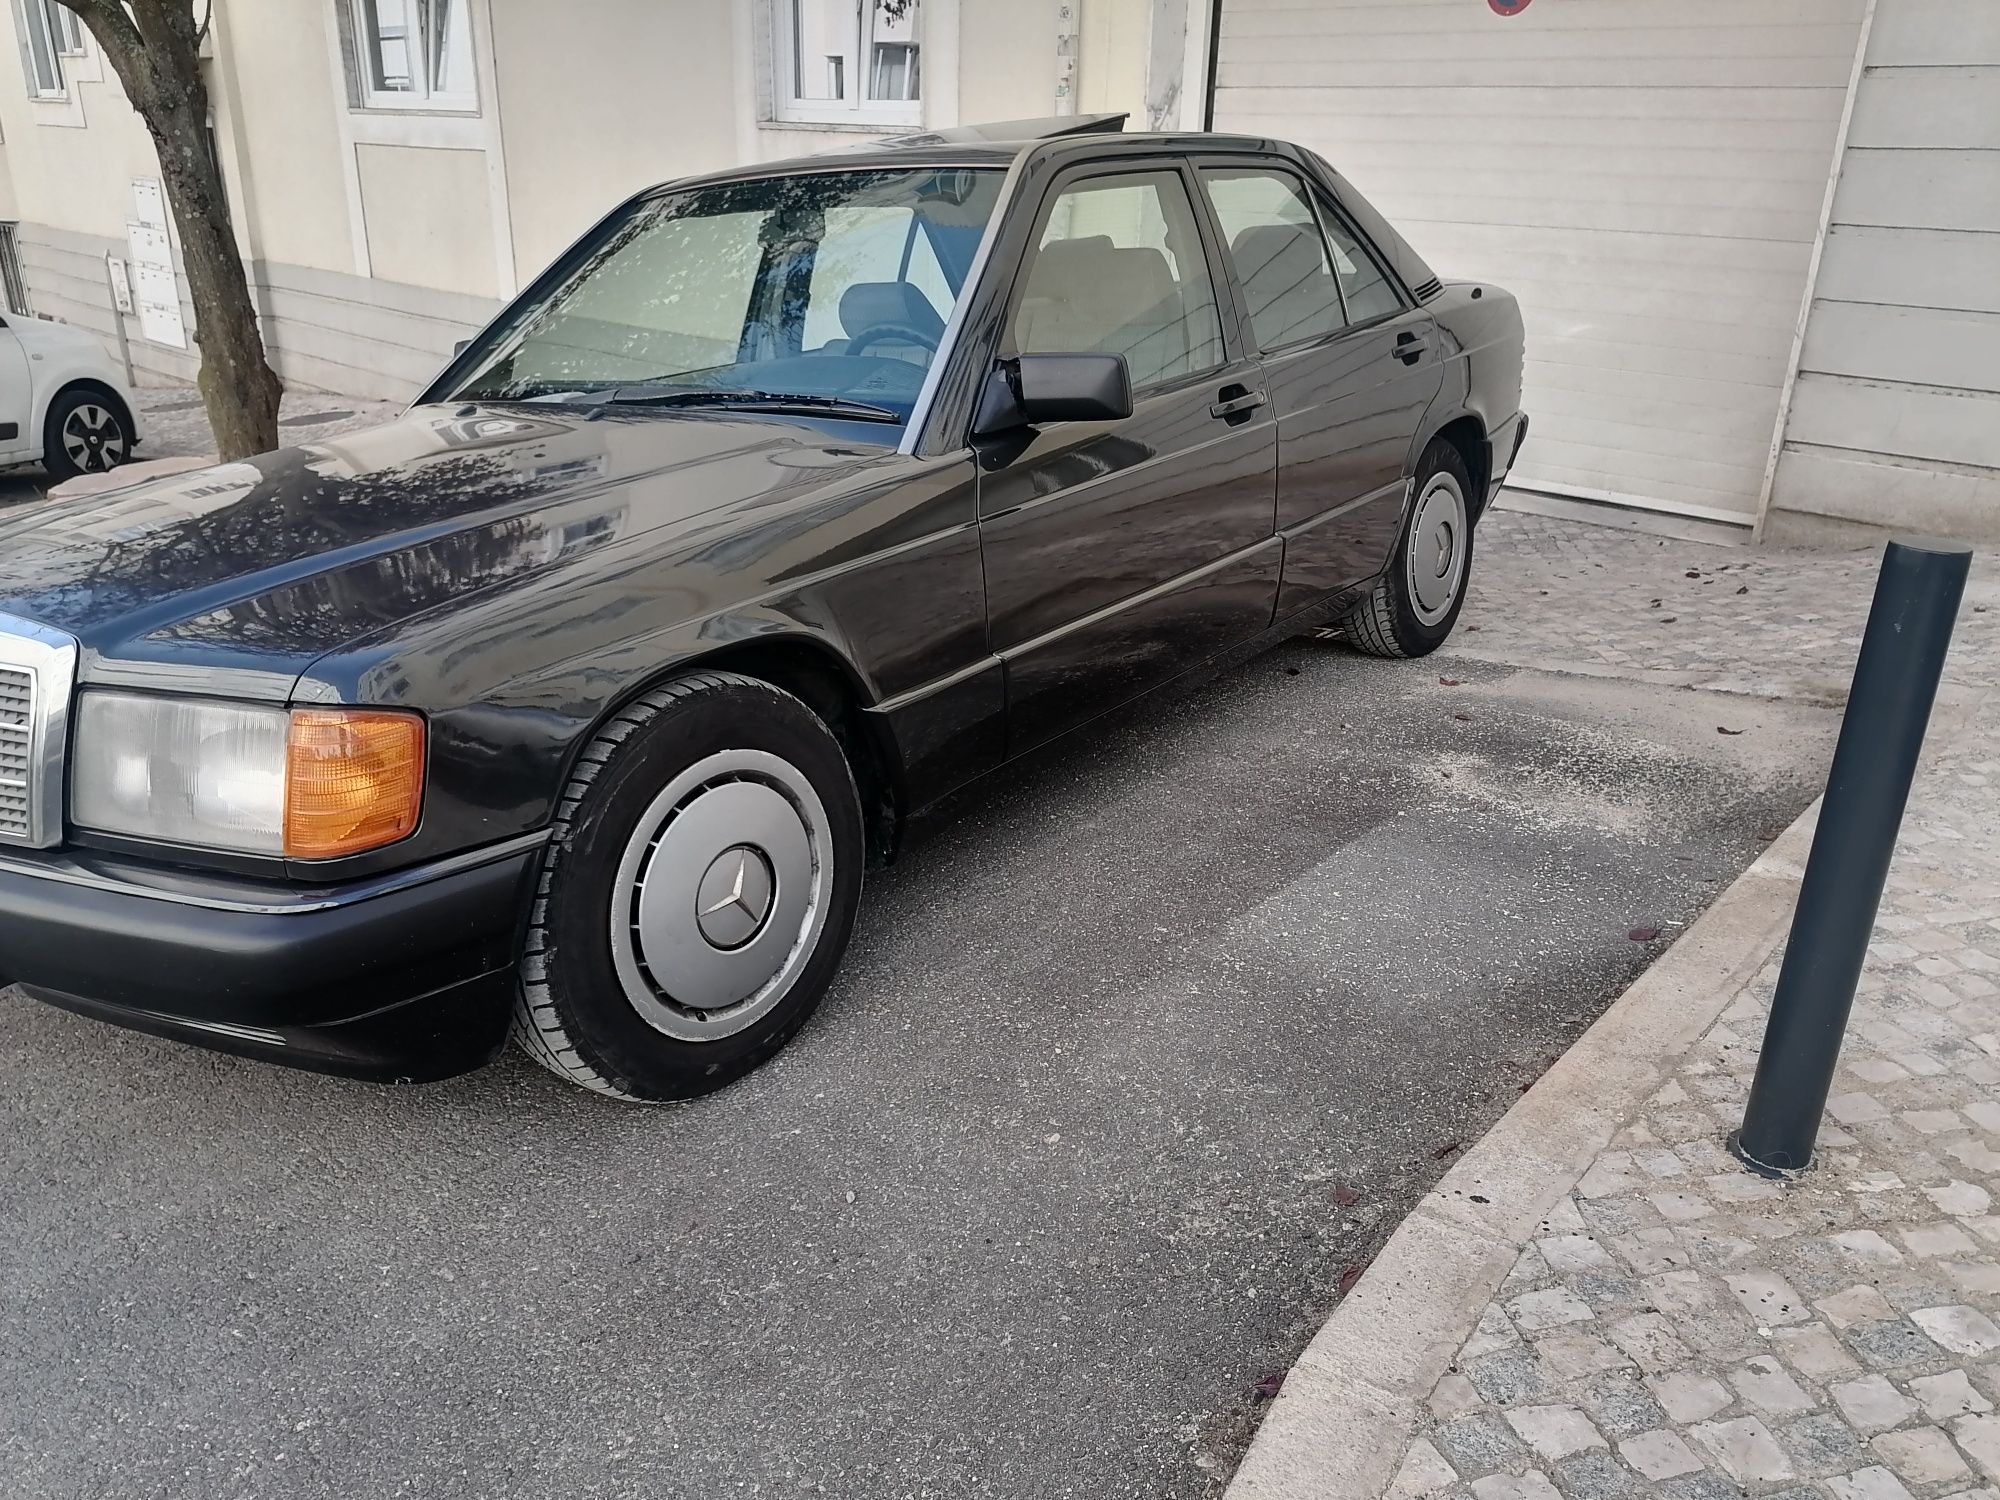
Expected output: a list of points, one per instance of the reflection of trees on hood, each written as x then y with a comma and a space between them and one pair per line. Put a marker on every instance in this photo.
318, 611
295, 512
321, 610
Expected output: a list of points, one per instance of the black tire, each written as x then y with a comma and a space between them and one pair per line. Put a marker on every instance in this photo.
101, 441
574, 1013
1390, 620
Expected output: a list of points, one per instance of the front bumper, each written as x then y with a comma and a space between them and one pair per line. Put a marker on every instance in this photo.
405, 978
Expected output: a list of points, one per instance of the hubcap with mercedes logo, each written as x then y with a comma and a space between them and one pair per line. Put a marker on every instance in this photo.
1436, 549
721, 895
734, 897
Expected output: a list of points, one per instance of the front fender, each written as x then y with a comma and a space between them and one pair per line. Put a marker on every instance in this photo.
53, 370
878, 580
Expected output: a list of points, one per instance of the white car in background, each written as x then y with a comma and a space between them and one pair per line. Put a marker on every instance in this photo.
63, 400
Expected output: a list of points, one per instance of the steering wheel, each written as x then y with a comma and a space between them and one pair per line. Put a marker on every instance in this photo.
902, 333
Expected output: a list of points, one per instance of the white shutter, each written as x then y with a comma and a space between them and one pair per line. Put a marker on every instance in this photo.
1646, 176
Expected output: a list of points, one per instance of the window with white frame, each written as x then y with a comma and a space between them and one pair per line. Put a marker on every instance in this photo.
848, 61
49, 33
414, 54
67, 27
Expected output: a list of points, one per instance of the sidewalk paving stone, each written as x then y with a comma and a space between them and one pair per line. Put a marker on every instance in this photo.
1837, 1335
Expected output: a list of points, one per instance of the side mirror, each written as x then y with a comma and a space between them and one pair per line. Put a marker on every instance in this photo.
1037, 388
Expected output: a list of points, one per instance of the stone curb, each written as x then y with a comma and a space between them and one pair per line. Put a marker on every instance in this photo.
136, 472
1351, 1404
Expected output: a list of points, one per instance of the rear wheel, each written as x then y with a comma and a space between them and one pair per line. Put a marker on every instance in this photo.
86, 433
698, 892
1414, 604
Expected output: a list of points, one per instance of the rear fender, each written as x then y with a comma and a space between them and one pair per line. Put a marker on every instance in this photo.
1484, 347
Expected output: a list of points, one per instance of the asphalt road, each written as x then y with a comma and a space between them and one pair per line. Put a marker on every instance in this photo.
1137, 1052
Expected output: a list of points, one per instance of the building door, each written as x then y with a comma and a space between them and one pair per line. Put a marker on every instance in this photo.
1646, 177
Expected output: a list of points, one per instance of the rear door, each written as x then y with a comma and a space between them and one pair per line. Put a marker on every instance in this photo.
1350, 363
1119, 554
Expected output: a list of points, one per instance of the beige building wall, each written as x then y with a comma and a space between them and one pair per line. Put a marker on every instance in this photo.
1007, 59
377, 238
985, 60
85, 149
591, 114
429, 213
71, 163
1117, 41
280, 131
1894, 418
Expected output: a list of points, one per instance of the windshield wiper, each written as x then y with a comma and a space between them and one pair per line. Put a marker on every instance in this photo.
778, 401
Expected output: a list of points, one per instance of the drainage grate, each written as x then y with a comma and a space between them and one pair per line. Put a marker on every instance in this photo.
313, 418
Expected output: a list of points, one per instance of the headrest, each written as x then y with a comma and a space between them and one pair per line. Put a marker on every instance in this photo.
1278, 256
1092, 266
888, 304
1084, 247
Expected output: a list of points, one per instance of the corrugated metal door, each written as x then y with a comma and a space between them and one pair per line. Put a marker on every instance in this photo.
1646, 175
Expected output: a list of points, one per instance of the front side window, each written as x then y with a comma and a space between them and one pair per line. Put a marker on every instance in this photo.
415, 54
831, 285
840, 61
1279, 257
1119, 269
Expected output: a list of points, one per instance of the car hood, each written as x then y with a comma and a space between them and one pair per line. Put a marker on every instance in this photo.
56, 338
275, 560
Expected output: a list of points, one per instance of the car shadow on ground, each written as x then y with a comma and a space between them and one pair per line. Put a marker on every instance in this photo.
1141, 1048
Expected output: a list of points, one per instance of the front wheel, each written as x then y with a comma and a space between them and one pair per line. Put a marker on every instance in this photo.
85, 433
698, 892
1414, 604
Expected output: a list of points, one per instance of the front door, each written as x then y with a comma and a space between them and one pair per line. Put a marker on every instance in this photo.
1351, 366
1119, 554
17, 397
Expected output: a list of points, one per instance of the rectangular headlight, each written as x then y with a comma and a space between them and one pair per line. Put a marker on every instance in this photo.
304, 783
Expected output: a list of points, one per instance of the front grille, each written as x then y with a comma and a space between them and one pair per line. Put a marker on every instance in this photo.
37, 676
17, 739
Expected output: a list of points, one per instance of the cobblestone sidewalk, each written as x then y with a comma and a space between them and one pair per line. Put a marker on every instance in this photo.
1678, 1327
1766, 621
177, 426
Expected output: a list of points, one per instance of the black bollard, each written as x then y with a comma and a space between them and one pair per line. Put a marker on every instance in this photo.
1888, 709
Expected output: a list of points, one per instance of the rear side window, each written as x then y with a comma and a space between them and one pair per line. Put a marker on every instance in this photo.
1280, 259
1367, 290
1120, 269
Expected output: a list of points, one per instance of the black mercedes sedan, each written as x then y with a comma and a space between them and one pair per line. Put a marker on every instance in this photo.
577, 700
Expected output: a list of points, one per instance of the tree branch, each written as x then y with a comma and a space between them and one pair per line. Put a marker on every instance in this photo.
154, 47
109, 22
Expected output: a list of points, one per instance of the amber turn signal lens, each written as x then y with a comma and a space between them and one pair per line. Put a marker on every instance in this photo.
354, 780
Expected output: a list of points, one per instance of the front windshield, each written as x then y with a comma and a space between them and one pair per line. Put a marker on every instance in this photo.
824, 285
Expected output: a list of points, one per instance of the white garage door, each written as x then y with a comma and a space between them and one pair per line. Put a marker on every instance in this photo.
1646, 175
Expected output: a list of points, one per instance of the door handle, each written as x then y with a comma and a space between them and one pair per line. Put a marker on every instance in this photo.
1229, 407
1410, 347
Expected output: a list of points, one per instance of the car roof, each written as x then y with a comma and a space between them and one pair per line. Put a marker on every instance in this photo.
995, 145
1067, 136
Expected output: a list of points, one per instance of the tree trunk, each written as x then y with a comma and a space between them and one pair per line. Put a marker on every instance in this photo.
154, 46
